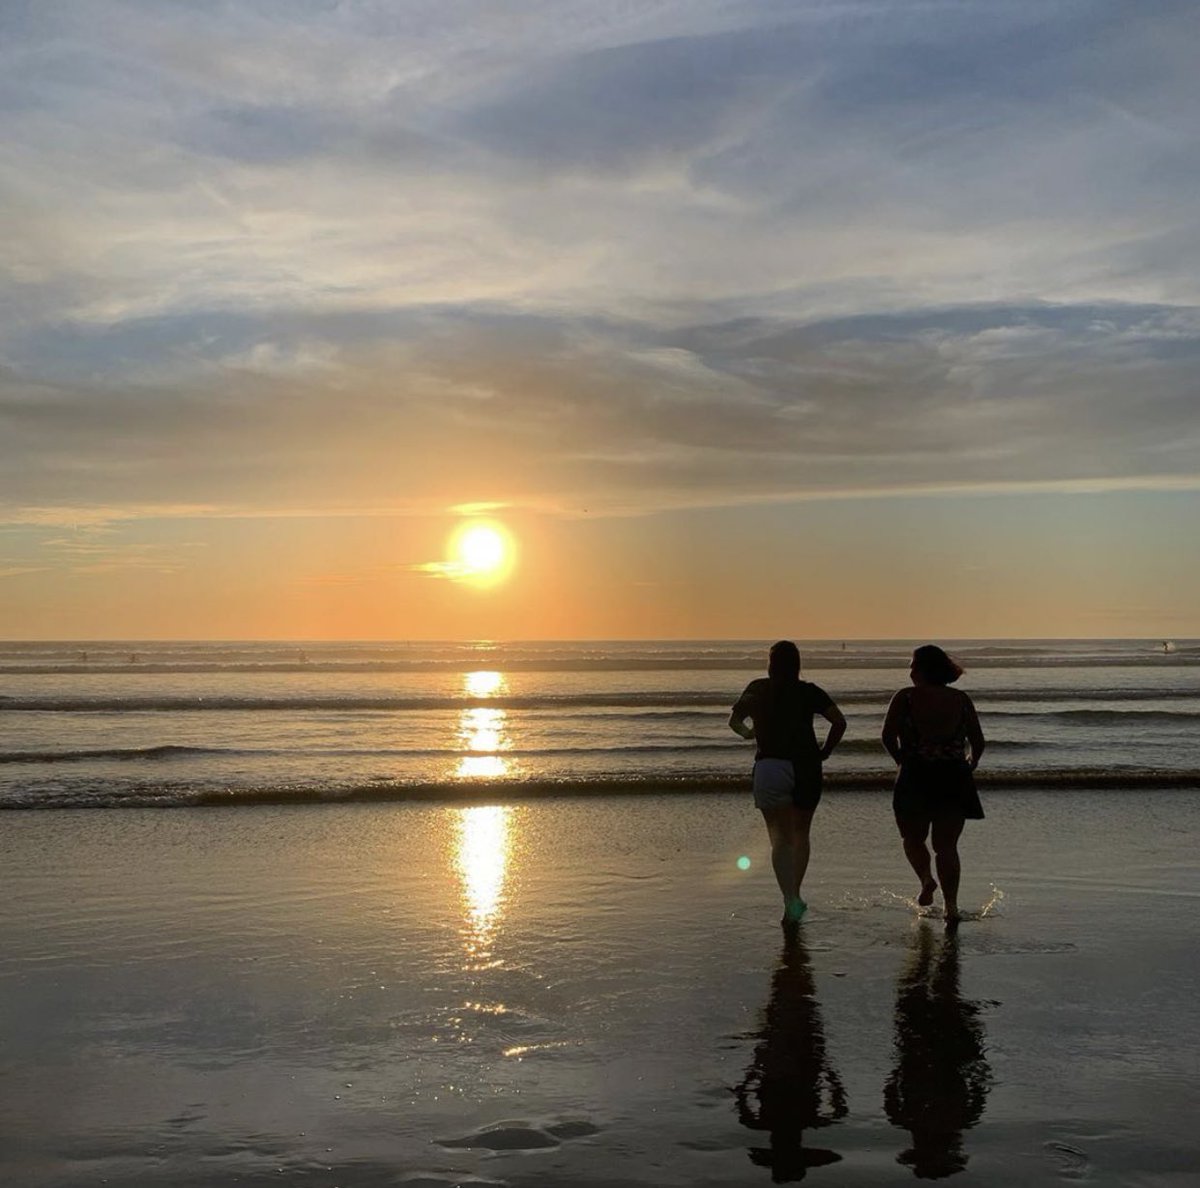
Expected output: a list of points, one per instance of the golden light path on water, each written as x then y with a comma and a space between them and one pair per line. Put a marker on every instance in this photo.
484, 831
483, 684
482, 730
484, 844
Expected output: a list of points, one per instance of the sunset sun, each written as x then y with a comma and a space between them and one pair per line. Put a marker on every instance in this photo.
481, 552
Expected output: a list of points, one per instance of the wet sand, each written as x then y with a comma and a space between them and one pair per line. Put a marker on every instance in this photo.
593, 993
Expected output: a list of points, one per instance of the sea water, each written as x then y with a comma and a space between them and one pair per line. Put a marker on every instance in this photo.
109, 724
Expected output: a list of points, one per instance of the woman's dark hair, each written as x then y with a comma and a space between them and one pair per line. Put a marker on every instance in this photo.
783, 662
935, 666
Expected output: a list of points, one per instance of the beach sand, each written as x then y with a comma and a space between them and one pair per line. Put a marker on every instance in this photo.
593, 993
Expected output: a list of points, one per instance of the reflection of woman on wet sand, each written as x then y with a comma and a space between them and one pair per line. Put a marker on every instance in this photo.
941, 1080
790, 1085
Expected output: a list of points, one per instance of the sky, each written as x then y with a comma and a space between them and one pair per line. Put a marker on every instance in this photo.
744, 319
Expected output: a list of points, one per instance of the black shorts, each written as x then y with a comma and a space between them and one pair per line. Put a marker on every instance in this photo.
934, 789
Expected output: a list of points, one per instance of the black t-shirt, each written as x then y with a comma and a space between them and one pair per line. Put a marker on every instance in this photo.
783, 718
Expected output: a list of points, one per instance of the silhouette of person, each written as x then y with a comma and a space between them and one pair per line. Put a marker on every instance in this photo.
790, 1085
941, 1080
787, 762
933, 734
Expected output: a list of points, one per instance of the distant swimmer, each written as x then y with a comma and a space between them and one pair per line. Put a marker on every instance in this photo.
933, 734
787, 762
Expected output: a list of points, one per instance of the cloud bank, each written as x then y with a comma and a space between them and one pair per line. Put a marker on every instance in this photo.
286, 258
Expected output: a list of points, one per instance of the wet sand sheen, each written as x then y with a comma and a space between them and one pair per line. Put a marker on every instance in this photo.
592, 992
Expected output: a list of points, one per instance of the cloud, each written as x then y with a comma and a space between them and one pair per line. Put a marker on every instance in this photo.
467, 407
793, 156
453, 570
298, 258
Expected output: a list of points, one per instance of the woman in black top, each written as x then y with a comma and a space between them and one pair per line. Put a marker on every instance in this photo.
933, 733
787, 762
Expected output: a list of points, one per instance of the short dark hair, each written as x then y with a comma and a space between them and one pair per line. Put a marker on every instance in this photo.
935, 666
783, 662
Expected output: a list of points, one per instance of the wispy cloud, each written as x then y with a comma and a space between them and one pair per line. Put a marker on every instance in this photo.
453, 570
558, 413
292, 259
106, 548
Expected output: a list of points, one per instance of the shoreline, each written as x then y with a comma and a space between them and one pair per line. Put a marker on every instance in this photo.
452, 792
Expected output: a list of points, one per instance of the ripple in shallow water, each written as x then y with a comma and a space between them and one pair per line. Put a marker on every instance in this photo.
522, 1136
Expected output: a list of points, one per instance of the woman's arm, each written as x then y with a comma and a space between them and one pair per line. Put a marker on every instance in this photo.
891, 724
737, 724
837, 727
737, 718
974, 732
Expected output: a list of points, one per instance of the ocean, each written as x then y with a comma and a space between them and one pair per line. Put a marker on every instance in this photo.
174, 724
425, 944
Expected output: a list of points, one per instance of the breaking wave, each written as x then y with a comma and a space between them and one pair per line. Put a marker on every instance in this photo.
472, 790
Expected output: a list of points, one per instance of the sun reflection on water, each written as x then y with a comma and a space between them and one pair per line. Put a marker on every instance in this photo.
482, 730
482, 767
484, 833
481, 857
483, 684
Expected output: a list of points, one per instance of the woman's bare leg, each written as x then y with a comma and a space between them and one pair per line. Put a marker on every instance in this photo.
913, 831
780, 829
788, 828
946, 833
801, 847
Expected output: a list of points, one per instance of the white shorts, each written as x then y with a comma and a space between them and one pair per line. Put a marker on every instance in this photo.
775, 784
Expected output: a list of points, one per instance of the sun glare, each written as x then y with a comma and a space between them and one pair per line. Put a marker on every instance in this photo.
484, 846
481, 552
481, 549
483, 683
